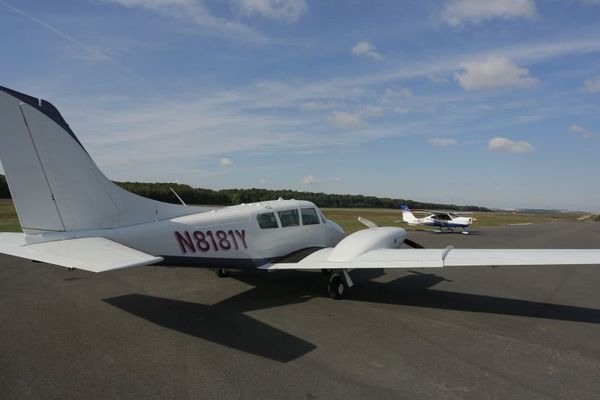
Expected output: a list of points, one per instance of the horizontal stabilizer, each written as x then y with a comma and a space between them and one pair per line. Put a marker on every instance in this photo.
94, 254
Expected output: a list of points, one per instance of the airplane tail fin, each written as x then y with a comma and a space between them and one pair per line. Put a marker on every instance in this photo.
55, 184
407, 216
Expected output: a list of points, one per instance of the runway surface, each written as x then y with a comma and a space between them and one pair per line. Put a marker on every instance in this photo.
183, 333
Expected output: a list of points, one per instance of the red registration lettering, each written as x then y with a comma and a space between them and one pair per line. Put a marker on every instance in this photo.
185, 242
208, 240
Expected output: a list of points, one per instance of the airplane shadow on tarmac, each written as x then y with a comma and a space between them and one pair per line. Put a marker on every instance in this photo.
223, 323
226, 324
416, 290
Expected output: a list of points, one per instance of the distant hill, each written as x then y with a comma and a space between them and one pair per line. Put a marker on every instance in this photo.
161, 191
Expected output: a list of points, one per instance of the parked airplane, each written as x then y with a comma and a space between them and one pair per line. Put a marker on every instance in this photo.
73, 216
439, 219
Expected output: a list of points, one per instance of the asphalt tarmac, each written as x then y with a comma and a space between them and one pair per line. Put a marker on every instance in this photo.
183, 333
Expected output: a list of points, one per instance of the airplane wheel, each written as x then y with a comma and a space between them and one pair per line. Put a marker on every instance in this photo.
337, 286
222, 272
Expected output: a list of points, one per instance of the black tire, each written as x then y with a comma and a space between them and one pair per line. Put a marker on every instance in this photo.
337, 287
222, 272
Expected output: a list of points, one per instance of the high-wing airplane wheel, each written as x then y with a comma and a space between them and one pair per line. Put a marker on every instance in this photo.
222, 272
337, 286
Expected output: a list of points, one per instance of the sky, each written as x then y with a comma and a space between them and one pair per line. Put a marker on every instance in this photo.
493, 103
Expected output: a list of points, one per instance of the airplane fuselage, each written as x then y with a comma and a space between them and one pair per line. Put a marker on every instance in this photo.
458, 222
243, 236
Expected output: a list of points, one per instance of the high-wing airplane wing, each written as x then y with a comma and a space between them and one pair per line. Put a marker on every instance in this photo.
95, 254
438, 258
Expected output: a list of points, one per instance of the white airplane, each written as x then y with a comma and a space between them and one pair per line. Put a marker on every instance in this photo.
73, 216
439, 219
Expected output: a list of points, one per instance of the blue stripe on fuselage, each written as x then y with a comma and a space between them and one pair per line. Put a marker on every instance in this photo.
446, 224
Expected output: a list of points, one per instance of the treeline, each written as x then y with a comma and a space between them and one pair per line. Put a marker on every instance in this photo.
238, 196
190, 195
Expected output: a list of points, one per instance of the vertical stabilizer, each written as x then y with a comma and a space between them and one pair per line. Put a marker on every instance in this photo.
407, 216
25, 175
55, 184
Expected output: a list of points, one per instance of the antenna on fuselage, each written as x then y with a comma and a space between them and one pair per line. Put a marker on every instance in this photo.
175, 193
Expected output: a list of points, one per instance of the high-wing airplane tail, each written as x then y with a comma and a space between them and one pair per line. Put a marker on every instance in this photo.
407, 216
55, 184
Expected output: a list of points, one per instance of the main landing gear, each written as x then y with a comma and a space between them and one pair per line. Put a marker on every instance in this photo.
339, 282
222, 272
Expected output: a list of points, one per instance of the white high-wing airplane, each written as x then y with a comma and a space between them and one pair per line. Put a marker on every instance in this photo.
438, 219
73, 216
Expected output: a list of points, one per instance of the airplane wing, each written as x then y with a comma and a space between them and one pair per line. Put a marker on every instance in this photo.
95, 254
439, 258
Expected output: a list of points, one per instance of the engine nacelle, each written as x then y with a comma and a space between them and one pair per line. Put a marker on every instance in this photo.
366, 240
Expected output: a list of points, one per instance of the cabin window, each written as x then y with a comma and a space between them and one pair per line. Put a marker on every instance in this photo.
309, 216
267, 220
443, 217
289, 218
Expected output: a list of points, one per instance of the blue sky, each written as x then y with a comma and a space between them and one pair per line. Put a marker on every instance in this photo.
494, 103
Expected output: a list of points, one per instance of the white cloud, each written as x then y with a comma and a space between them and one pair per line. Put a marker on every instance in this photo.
366, 49
440, 142
509, 146
493, 73
371, 111
401, 110
309, 180
437, 79
592, 85
390, 93
317, 106
581, 131
226, 162
457, 12
287, 10
196, 12
153, 3
345, 120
